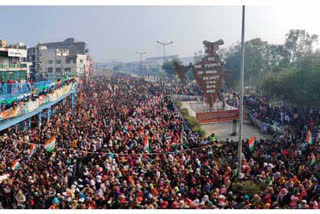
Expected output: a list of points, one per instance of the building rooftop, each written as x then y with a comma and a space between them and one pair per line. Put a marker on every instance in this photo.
160, 57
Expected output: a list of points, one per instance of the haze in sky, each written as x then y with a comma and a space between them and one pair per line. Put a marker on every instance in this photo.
117, 32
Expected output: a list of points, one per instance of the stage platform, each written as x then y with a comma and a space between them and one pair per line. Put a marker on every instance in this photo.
204, 115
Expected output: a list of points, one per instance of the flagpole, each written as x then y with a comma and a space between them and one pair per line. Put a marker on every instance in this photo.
241, 94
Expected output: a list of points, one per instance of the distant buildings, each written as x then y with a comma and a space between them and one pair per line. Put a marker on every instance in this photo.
13, 61
60, 59
150, 65
159, 60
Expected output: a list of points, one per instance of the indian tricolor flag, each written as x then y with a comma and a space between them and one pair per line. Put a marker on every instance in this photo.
15, 165
146, 143
309, 137
251, 143
313, 158
50, 144
32, 150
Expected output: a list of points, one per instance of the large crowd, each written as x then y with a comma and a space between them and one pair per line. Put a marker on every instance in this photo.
125, 145
190, 89
295, 120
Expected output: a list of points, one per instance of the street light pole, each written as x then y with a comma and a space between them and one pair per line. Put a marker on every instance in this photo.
141, 54
164, 44
241, 94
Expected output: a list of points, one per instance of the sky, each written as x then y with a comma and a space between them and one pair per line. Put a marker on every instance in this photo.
118, 32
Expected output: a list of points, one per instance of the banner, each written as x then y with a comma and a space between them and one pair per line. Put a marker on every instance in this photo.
30, 106
17, 52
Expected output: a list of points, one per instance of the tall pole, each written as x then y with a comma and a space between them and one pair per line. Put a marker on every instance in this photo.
62, 69
241, 94
164, 44
164, 53
141, 54
55, 64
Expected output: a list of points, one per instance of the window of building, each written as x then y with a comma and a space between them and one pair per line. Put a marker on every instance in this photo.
67, 70
50, 61
58, 61
58, 70
81, 61
50, 70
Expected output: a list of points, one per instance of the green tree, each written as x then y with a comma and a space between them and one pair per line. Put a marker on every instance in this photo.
189, 75
256, 63
298, 84
168, 67
298, 44
117, 67
275, 58
261, 57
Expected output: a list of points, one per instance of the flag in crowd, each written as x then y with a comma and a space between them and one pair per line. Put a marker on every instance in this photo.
50, 144
111, 155
15, 165
32, 150
251, 143
313, 158
74, 144
146, 143
309, 137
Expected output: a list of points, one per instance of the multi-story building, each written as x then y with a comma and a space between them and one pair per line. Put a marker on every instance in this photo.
58, 63
13, 63
58, 59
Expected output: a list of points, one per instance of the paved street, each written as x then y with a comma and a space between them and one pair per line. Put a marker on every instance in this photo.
224, 130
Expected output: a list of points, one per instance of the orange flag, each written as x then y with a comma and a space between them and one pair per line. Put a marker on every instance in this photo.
74, 144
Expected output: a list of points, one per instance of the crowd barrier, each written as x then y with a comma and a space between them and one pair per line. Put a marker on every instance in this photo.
265, 127
24, 108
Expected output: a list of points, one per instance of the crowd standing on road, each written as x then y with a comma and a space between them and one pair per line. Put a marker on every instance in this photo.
125, 145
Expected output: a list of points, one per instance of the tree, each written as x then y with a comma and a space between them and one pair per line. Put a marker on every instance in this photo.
189, 75
298, 44
275, 58
232, 59
298, 84
117, 67
168, 66
261, 57
255, 61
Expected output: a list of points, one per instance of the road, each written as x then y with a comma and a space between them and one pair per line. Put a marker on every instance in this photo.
223, 131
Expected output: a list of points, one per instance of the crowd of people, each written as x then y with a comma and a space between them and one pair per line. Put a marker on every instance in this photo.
293, 119
125, 145
190, 89
33, 95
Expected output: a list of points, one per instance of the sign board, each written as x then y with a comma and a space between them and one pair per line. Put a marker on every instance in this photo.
17, 52
208, 72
